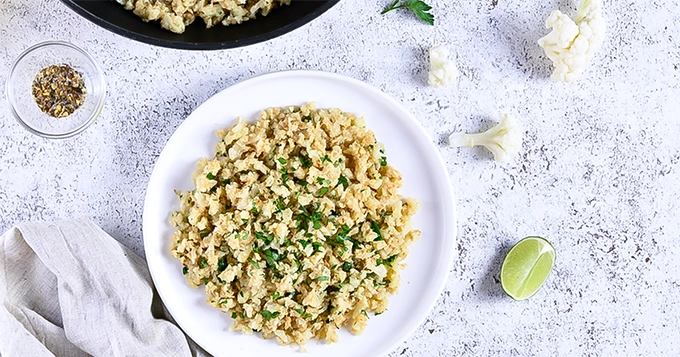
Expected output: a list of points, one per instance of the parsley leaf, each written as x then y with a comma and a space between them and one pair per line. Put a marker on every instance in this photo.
376, 228
305, 161
322, 191
343, 181
222, 264
419, 8
268, 315
254, 263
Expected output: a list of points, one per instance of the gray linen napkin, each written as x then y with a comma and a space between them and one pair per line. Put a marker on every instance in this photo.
69, 289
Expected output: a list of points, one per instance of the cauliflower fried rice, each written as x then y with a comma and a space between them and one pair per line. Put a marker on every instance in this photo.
295, 227
175, 15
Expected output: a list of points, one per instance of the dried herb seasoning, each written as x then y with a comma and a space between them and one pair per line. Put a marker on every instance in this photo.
59, 90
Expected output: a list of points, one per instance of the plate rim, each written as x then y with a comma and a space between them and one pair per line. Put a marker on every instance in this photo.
450, 225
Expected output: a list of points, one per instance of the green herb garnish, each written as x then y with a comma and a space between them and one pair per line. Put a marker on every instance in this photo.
271, 256
279, 205
376, 229
322, 191
222, 264
185, 270
282, 161
268, 315
305, 161
421, 9
323, 278
254, 263
383, 161
347, 267
343, 181
210, 176
203, 262
264, 237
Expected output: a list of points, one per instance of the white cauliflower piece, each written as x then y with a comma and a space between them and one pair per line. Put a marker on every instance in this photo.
442, 70
503, 140
572, 43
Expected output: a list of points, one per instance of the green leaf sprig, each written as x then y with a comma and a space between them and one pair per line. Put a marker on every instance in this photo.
421, 9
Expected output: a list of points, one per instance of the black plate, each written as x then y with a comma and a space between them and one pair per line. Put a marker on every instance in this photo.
112, 16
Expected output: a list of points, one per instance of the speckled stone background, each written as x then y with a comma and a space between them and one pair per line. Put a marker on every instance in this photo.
598, 173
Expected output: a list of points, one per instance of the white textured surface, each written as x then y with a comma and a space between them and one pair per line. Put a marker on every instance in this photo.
597, 174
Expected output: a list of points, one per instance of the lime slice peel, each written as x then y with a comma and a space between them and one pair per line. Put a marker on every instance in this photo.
526, 267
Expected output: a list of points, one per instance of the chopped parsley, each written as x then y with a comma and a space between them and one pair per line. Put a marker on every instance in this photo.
282, 161
342, 180
322, 191
383, 161
185, 270
305, 161
279, 205
254, 263
376, 229
325, 158
346, 267
222, 264
310, 214
210, 176
271, 256
323, 278
268, 315
202, 262
267, 238
302, 313
204, 234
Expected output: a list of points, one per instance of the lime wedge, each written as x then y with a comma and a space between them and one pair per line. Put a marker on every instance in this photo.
526, 267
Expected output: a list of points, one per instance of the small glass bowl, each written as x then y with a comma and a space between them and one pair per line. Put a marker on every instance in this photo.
24, 107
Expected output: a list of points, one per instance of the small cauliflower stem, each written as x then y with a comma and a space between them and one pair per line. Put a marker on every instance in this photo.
442, 71
572, 43
503, 140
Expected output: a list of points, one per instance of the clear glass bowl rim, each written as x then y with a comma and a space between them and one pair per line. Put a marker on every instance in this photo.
93, 116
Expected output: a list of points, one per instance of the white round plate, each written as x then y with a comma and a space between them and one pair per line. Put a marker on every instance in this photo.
409, 149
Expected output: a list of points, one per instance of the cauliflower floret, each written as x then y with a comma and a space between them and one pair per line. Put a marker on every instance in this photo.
442, 70
503, 140
572, 43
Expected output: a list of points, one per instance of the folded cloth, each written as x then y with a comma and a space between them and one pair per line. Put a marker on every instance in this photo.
69, 289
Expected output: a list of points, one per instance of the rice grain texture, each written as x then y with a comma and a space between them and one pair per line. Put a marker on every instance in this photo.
296, 227
175, 15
